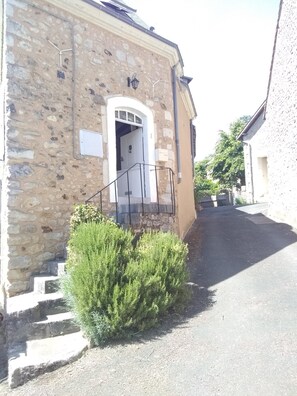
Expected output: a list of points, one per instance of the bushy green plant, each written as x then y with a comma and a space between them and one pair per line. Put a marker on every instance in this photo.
203, 185
164, 254
99, 253
115, 289
86, 213
240, 201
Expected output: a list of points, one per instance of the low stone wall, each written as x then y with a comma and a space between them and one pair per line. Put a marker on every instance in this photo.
215, 200
155, 222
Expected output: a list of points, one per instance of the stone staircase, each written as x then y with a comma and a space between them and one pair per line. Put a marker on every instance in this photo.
41, 334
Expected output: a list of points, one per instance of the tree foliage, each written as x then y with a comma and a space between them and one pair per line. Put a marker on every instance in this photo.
227, 163
204, 186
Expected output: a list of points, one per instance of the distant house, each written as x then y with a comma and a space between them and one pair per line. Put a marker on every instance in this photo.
270, 138
94, 99
255, 159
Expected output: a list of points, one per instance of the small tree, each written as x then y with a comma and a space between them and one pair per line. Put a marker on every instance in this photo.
204, 186
227, 164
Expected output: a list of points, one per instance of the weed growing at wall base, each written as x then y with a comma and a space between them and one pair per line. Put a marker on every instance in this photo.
115, 289
86, 213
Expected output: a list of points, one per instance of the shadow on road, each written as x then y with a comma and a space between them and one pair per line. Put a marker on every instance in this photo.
227, 240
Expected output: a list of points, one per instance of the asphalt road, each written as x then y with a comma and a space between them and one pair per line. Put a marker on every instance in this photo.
237, 337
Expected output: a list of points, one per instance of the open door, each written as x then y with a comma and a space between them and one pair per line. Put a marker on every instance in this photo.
132, 152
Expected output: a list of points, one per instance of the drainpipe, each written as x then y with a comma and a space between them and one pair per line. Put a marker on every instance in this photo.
251, 170
249, 147
175, 111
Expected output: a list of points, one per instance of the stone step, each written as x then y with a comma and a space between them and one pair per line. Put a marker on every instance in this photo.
35, 306
56, 267
33, 358
52, 326
45, 283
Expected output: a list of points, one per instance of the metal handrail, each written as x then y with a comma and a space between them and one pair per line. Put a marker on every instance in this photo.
126, 174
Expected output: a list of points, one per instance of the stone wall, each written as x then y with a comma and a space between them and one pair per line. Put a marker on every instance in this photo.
277, 137
49, 99
156, 222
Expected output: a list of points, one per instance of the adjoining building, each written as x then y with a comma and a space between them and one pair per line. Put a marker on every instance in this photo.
270, 138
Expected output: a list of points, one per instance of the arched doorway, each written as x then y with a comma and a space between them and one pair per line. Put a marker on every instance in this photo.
130, 143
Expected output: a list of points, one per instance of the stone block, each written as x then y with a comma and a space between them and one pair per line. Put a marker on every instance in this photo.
20, 153
21, 216
20, 170
19, 262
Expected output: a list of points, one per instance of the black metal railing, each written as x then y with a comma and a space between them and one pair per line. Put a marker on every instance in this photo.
132, 190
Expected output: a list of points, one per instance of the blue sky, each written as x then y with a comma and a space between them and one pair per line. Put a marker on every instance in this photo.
226, 46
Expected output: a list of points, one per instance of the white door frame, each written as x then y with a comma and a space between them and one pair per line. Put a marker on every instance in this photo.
146, 114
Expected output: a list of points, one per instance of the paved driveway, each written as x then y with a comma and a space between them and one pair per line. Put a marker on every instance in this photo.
238, 336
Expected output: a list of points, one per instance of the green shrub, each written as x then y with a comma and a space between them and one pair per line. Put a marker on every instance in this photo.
86, 213
240, 201
115, 289
164, 254
99, 253
204, 188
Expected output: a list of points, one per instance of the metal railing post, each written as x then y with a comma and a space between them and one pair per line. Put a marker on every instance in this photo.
129, 201
116, 202
157, 189
141, 185
101, 202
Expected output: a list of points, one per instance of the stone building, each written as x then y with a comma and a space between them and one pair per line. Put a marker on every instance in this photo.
89, 90
270, 138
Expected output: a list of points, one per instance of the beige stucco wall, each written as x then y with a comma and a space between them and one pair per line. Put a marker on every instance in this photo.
277, 137
44, 171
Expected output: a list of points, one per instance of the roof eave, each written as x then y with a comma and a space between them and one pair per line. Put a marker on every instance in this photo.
252, 121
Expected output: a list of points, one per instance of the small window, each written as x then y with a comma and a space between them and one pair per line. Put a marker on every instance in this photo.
131, 117
122, 115
128, 117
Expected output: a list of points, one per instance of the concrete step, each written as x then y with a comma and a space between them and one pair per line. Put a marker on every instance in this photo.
35, 306
33, 358
51, 326
29, 308
45, 283
56, 267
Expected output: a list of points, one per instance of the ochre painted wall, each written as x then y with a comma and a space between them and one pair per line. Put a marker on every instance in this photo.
185, 189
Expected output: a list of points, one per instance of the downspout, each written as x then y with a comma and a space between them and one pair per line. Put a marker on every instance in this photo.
175, 112
251, 170
249, 147
193, 151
